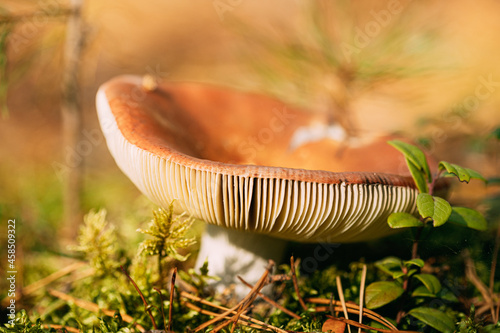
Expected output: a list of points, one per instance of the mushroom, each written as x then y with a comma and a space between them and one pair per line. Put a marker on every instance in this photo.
253, 168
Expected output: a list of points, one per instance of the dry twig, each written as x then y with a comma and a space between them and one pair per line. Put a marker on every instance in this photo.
488, 297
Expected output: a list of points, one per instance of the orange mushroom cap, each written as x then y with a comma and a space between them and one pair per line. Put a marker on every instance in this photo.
232, 159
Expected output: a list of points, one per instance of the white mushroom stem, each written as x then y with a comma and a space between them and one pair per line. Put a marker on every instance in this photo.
231, 253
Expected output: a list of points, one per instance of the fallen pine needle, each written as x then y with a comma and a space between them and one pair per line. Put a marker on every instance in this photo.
342, 300
351, 308
248, 321
355, 323
295, 284
59, 327
270, 301
92, 307
241, 306
51, 278
362, 296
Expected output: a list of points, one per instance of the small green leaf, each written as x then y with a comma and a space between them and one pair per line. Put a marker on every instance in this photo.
381, 293
397, 275
415, 262
422, 291
447, 295
389, 265
413, 154
468, 218
435, 208
430, 282
418, 177
403, 220
434, 318
463, 174
411, 272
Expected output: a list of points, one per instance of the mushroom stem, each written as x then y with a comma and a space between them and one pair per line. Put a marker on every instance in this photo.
231, 253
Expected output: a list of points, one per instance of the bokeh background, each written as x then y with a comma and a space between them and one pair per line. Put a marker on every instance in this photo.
426, 69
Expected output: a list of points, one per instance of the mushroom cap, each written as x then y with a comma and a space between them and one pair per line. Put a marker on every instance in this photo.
239, 160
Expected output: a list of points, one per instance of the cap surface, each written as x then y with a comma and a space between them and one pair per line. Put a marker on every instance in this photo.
227, 158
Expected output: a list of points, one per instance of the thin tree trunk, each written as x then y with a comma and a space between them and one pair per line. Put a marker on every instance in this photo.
72, 118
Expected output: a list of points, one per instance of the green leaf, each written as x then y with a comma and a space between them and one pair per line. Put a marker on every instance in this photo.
434, 318
418, 177
381, 293
422, 291
430, 282
469, 218
447, 295
397, 275
411, 272
435, 208
415, 262
463, 174
413, 154
389, 265
403, 220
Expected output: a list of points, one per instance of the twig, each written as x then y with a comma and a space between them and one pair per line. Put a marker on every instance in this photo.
471, 274
296, 285
362, 296
72, 117
330, 306
146, 305
270, 301
494, 260
92, 307
342, 300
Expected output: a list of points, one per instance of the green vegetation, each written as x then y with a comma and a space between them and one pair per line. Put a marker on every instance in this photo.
416, 293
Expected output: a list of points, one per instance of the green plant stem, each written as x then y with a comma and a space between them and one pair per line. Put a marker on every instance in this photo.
433, 183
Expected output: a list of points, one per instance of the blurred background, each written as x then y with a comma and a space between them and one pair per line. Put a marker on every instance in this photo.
426, 69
